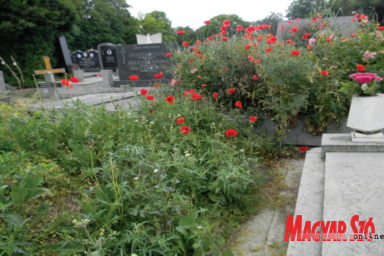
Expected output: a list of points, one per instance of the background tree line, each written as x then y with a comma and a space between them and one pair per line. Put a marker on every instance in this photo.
29, 29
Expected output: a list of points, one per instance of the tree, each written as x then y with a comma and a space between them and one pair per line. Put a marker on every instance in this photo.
302, 8
217, 22
272, 20
103, 21
28, 30
190, 35
156, 22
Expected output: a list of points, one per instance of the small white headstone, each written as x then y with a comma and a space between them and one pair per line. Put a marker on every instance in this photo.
150, 39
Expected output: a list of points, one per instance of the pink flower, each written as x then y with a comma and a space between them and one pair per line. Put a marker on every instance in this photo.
364, 78
369, 55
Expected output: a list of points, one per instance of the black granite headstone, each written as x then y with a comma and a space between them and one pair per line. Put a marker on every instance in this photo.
108, 57
143, 60
87, 61
65, 53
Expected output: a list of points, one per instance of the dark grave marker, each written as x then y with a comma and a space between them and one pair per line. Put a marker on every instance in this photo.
62, 54
143, 60
87, 61
107, 56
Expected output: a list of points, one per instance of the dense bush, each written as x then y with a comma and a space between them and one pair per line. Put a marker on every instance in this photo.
134, 172
284, 79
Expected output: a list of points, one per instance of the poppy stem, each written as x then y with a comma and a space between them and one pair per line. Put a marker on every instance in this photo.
197, 126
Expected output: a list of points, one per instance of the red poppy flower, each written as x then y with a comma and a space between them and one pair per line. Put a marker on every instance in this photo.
150, 97
226, 22
65, 81
239, 28
247, 46
185, 129
209, 38
255, 77
157, 76
252, 119
314, 19
133, 78
353, 35
329, 39
214, 95
360, 67
199, 77
381, 28
185, 44
143, 92
196, 96
354, 19
191, 91
309, 47
180, 32
207, 22
168, 54
224, 38
289, 22
297, 19
303, 149
180, 120
75, 80
287, 120
231, 133
356, 15
18, 102
324, 72
250, 58
190, 61
150, 111
217, 35
295, 52
230, 91
204, 85
69, 86
157, 85
238, 104
257, 60
295, 29
170, 99
268, 50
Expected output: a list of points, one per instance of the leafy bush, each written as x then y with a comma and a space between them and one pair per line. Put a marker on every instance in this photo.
283, 79
143, 186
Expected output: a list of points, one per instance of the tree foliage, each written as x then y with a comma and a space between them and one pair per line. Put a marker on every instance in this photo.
156, 22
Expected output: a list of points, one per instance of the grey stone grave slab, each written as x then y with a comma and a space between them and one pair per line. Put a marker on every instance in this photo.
3, 88
310, 202
107, 56
343, 25
93, 99
353, 186
87, 61
144, 61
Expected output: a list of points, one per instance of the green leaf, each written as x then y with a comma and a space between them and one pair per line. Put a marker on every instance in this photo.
41, 212
18, 196
212, 196
186, 222
108, 145
31, 182
227, 252
13, 219
101, 196
182, 231
66, 250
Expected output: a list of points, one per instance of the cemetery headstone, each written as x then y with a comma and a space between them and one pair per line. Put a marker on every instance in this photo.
3, 88
107, 56
87, 61
143, 60
62, 54
343, 25
149, 39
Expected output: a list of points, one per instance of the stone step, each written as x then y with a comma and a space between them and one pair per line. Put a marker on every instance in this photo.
353, 186
309, 201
